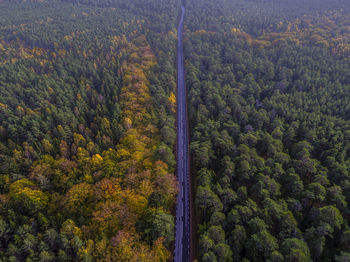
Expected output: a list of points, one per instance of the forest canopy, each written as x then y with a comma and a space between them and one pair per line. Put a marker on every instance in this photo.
88, 133
269, 90
87, 130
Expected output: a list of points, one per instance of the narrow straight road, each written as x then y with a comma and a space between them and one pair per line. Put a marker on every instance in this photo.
183, 223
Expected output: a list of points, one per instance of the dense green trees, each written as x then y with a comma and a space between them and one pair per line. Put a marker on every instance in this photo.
87, 129
269, 116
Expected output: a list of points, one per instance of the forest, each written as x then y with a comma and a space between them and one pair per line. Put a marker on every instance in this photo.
88, 129
269, 90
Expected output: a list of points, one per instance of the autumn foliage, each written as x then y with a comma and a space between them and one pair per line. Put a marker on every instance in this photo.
83, 172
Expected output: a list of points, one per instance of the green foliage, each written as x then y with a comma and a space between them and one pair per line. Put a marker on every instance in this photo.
268, 91
295, 250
